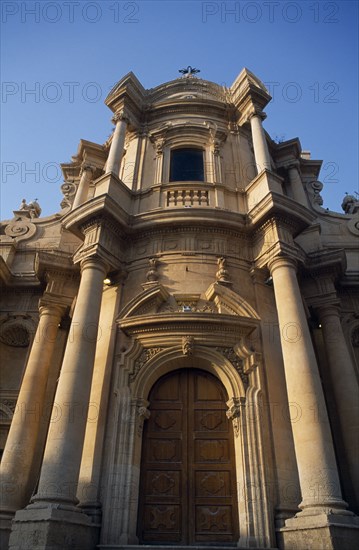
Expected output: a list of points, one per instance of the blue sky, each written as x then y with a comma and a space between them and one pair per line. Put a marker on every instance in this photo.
59, 60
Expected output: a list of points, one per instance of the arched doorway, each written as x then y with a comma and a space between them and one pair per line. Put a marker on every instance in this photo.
188, 482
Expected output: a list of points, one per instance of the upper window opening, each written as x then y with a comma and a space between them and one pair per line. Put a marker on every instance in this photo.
187, 165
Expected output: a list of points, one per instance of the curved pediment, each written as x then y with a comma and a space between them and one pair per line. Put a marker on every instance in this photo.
218, 299
229, 302
146, 302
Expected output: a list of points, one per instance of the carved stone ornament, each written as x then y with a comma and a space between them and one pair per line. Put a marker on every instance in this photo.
159, 144
119, 115
142, 414
188, 345
353, 225
145, 356
233, 413
222, 274
315, 188
68, 189
152, 274
237, 363
16, 332
33, 208
21, 226
350, 204
8, 406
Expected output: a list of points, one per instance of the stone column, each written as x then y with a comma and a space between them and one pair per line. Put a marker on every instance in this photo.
345, 388
260, 146
83, 188
296, 184
63, 451
318, 474
117, 145
22, 440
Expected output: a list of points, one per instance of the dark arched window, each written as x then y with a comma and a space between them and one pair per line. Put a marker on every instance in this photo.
187, 165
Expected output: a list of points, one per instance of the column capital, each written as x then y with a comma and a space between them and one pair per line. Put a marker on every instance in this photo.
292, 164
258, 113
282, 261
120, 116
330, 309
94, 262
86, 167
49, 307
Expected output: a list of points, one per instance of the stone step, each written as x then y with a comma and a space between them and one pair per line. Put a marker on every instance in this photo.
174, 547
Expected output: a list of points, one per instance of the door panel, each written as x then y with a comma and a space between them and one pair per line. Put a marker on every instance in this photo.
187, 487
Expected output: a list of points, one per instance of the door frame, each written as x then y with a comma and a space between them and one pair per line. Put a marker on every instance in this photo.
240, 371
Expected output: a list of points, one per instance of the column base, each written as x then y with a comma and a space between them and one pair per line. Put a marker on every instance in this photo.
52, 528
5, 528
319, 532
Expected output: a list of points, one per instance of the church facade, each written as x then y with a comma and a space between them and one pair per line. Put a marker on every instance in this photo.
179, 344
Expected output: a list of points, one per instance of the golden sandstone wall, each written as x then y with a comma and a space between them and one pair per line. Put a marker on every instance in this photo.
239, 273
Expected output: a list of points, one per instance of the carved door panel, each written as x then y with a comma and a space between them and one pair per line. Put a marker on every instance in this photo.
187, 487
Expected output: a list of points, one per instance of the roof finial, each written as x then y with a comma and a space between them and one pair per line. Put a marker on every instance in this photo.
189, 71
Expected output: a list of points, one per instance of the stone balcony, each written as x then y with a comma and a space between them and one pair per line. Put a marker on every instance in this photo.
191, 195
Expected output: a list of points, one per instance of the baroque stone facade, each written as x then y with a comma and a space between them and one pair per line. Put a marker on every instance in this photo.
180, 342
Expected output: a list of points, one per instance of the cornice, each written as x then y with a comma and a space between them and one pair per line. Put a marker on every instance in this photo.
55, 261
190, 228
207, 90
198, 108
281, 207
101, 207
325, 263
193, 323
196, 217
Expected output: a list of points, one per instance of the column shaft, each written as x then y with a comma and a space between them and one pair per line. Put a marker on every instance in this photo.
313, 444
83, 188
62, 458
261, 152
345, 388
297, 185
117, 145
23, 435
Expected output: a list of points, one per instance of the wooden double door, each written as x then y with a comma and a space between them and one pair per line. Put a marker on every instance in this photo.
188, 482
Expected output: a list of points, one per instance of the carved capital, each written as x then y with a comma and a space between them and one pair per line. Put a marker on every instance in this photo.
256, 112
234, 407
282, 261
94, 262
47, 306
234, 412
89, 169
120, 116
291, 165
